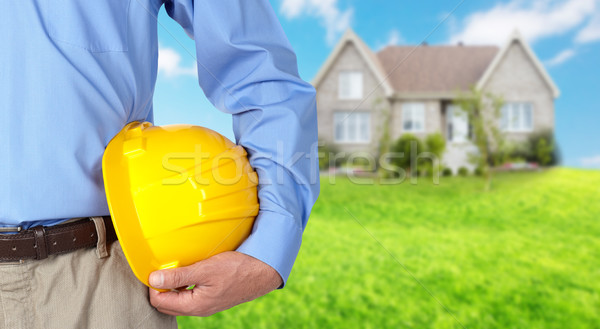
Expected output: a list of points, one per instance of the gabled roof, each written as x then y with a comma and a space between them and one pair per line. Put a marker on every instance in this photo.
426, 71
435, 69
517, 38
366, 53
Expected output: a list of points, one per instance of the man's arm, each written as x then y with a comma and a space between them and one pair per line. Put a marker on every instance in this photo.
247, 67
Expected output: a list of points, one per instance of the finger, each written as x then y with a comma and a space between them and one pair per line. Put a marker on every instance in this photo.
174, 302
199, 313
172, 278
169, 312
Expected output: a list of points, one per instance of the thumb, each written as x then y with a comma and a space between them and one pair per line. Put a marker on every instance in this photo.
171, 278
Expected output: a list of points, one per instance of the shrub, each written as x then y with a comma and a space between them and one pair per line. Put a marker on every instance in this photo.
436, 144
447, 172
518, 159
539, 147
519, 152
360, 160
435, 169
392, 172
478, 171
545, 153
326, 152
543, 150
418, 172
463, 171
405, 144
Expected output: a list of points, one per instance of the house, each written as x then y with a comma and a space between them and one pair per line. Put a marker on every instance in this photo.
411, 89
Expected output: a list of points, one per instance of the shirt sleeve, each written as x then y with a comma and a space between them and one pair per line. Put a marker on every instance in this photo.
246, 67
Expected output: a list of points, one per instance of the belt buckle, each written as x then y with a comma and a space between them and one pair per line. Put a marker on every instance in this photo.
9, 229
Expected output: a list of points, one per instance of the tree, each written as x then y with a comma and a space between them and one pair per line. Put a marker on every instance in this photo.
483, 110
385, 140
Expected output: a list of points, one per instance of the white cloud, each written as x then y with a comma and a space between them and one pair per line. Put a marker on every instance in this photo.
591, 32
593, 161
328, 12
394, 38
535, 20
169, 64
561, 57
292, 8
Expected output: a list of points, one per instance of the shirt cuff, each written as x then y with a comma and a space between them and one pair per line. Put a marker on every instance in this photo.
275, 240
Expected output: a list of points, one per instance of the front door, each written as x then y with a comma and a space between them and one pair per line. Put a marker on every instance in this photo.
458, 125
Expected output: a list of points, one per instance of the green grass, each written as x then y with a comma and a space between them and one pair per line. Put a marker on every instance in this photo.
524, 255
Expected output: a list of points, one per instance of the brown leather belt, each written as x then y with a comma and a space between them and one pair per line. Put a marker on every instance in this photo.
40, 241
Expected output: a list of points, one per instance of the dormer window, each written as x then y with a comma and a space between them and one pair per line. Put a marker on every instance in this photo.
350, 85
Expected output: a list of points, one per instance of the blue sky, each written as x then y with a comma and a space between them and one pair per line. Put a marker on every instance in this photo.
564, 34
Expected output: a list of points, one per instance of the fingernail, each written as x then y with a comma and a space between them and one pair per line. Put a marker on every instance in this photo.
157, 279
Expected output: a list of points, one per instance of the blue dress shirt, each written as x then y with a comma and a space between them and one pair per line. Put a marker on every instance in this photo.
74, 72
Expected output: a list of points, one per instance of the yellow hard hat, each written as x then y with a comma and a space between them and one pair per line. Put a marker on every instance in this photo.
177, 194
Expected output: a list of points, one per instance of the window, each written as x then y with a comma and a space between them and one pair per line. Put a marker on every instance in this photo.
413, 117
350, 85
517, 117
352, 127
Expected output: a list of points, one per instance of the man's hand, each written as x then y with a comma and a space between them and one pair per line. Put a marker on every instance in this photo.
221, 282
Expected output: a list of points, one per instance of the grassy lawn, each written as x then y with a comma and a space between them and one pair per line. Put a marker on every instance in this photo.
525, 255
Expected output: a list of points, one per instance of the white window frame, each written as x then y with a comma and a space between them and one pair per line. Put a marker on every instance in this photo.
413, 111
348, 127
350, 85
513, 117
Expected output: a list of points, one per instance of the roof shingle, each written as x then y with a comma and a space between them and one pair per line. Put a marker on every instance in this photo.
435, 68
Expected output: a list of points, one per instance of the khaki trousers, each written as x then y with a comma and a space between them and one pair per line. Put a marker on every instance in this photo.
79, 289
